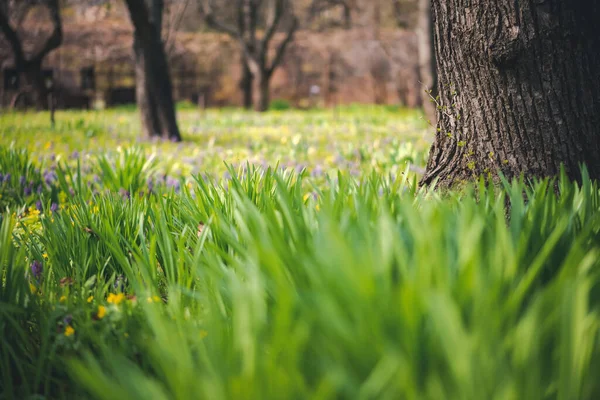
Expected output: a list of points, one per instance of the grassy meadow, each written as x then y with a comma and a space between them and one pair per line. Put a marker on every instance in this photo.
289, 255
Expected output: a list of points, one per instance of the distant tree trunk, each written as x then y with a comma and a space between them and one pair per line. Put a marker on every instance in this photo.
247, 86
154, 89
147, 108
427, 71
264, 96
35, 80
519, 89
347, 15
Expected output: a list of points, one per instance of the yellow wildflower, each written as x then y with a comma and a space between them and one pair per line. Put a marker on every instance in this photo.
101, 312
69, 331
153, 299
115, 298
90, 299
62, 299
62, 197
45, 255
32, 288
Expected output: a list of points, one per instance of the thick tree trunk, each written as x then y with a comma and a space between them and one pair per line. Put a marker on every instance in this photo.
35, 80
154, 92
427, 72
264, 96
519, 89
147, 108
247, 85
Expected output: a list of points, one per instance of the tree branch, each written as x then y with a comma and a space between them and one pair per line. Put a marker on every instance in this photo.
56, 38
272, 24
247, 48
211, 21
12, 37
282, 47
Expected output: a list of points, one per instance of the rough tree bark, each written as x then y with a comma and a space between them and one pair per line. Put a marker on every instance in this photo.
427, 71
519, 89
154, 89
256, 52
31, 67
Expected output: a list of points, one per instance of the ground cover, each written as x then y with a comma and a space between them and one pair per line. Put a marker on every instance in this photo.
290, 255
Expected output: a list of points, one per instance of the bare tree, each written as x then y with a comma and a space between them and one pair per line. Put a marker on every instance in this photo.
154, 90
256, 50
31, 65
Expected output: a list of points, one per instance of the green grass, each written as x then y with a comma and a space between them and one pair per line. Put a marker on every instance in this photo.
358, 139
265, 283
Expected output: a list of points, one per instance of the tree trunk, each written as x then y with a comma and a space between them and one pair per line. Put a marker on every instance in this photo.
264, 98
427, 72
35, 80
247, 85
147, 108
154, 92
347, 16
519, 89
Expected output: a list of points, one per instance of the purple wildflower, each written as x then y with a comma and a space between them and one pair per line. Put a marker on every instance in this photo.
6, 178
38, 205
317, 171
68, 319
37, 269
54, 207
49, 177
39, 189
173, 183
22, 180
124, 194
28, 190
